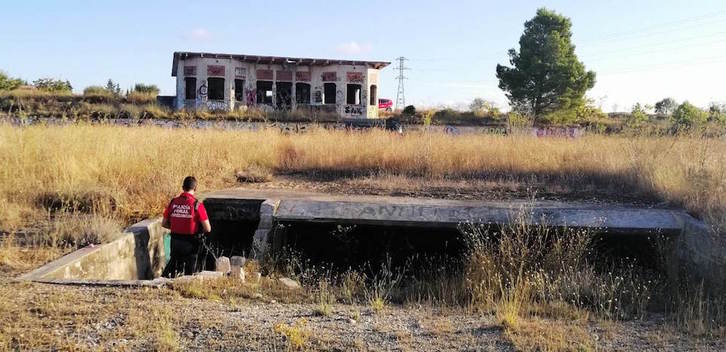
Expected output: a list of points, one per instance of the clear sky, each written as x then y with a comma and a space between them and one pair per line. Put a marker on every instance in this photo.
641, 50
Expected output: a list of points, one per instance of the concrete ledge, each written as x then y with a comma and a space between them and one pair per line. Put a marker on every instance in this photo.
137, 254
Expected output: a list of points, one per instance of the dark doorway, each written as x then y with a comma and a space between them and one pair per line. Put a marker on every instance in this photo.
302, 93
284, 95
264, 92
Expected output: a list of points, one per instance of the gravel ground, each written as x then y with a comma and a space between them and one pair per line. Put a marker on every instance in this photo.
52, 317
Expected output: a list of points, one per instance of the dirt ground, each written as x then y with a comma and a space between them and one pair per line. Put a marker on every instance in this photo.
52, 317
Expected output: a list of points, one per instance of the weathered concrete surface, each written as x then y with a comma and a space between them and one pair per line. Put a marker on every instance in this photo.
138, 254
403, 211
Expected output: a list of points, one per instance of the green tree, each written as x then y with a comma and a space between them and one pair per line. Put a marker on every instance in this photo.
9, 83
53, 85
546, 75
112, 87
637, 116
666, 106
717, 112
409, 110
687, 115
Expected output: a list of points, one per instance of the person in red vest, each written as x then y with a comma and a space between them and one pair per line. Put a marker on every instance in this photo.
187, 219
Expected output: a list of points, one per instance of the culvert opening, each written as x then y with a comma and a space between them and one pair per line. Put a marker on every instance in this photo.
234, 222
348, 246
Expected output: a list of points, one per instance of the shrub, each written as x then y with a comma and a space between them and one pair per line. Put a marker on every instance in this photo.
53, 85
141, 98
98, 94
148, 89
687, 115
8, 83
637, 116
409, 110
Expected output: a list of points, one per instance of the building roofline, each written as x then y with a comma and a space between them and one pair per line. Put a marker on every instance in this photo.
275, 60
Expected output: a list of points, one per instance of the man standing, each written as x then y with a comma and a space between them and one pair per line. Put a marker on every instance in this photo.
186, 218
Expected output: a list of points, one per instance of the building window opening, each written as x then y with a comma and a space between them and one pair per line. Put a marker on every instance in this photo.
373, 94
329, 93
216, 88
354, 91
264, 92
190, 88
302, 93
284, 95
239, 89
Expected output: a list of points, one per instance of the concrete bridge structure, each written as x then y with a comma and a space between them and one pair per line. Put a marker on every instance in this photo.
246, 220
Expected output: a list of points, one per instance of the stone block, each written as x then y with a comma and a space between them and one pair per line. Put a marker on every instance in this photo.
289, 283
222, 265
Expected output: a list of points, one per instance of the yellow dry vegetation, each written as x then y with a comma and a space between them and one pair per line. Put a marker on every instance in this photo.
133, 171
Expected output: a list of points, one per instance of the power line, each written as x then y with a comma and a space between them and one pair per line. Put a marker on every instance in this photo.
400, 95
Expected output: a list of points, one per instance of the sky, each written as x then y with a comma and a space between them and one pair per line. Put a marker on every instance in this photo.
641, 50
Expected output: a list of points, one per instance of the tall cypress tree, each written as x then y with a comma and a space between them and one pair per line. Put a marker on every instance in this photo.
546, 76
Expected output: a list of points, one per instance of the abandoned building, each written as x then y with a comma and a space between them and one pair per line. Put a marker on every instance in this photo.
228, 82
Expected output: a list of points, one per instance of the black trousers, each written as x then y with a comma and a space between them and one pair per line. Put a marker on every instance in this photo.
184, 253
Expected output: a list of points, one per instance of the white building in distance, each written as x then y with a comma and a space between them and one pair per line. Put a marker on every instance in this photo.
228, 82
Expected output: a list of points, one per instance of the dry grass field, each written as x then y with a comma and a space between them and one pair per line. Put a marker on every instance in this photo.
64, 187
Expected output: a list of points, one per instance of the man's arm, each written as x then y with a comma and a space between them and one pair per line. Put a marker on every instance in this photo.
165, 223
203, 218
206, 226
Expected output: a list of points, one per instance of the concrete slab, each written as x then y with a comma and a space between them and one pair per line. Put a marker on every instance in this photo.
296, 206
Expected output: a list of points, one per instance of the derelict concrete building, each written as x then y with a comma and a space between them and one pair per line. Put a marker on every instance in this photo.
228, 82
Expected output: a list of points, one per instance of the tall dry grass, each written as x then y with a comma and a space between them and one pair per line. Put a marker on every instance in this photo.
133, 171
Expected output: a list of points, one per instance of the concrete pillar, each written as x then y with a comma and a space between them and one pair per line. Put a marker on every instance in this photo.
262, 238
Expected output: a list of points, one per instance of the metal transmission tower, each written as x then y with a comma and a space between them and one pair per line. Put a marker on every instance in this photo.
400, 97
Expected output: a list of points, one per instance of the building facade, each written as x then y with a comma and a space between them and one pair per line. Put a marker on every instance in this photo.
228, 82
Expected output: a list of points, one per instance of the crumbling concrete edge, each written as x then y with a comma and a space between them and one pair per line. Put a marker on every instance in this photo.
263, 235
146, 236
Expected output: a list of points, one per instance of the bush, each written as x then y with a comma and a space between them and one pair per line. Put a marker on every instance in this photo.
8, 83
53, 85
148, 89
141, 98
687, 115
409, 110
637, 116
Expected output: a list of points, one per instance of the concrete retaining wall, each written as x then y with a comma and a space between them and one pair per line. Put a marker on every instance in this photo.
137, 254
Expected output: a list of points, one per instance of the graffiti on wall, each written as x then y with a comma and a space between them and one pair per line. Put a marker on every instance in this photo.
569, 132
318, 95
250, 96
217, 105
339, 96
354, 110
215, 70
302, 76
355, 77
264, 74
329, 76
202, 91
284, 75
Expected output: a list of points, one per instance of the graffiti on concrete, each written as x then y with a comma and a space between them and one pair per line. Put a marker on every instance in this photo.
354, 110
355, 77
264, 74
567, 132
250, 96
215, 70
318, 96
202, 91
240, 72
329, 76
284, 75
339, 96
303, 76
217, 105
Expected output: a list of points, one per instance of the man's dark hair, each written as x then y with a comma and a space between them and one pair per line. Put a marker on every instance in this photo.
190, 183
